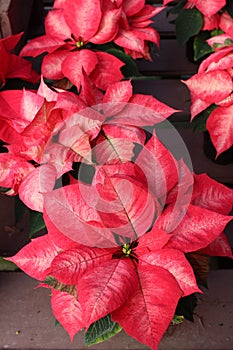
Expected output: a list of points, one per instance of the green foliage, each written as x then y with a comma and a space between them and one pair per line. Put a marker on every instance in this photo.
130, 69
186, 307
188, 24
101, 330
200, 46
216, 31
199, 122
36, 222
7, 265
176, 6
177, 320
54, 283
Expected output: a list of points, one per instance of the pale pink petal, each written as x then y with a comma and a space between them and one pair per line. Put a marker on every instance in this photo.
129, 40
143, 110
174, 261
116, 96
213, 58
76, 62
198, 228
52, 64
132, 7
211, 22
220, 126
44, 91
209, 7
226, 24
37, 182
13, 170
148, 34
42, 44
36, 257
56, 26
209, 194
104, 74
108, 27
219, 247
211, 87
158, 294
68, 311
197, 106
79, 15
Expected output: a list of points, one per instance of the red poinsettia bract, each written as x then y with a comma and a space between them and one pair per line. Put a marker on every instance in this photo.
113, 245
139, 280
134, 30
66, 42
13, 66
212, 85
206, 7
29, 136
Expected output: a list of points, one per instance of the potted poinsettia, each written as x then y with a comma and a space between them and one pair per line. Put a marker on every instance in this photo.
211, 93
197, 21
125, 219
211, 29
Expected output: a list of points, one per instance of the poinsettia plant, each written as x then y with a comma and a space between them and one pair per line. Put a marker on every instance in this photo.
210, 24
126, 221
211, 93
198, 21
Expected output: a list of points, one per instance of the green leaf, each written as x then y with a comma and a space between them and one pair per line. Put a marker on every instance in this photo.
20, 208
130, 69
36, 222
177, 320
56, 323
176, 6
199, 122
188, 24
7, 265
216, 31
54, 283
200, 46
101, 330
186, 307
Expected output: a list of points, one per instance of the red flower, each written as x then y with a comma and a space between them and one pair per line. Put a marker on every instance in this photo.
213, 85
133, 281
135, 32
207, 7
12, 66
69, 28
120, 240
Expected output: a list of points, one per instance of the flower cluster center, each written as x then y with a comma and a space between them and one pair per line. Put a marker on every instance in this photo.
126, 249
79, 44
